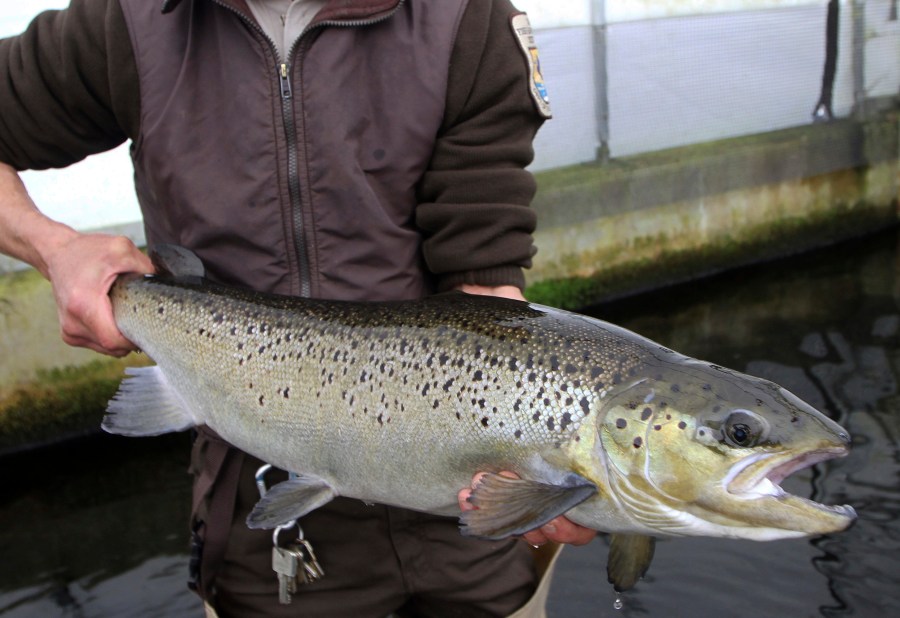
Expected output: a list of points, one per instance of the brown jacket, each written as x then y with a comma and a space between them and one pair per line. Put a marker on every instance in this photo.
391, 142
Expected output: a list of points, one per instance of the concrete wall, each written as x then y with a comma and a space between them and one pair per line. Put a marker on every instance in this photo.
636, 222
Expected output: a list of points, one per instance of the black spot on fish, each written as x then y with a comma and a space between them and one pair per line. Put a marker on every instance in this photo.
380, 419
596, 372
443, 358
484, 421
477, 375
436, 404
536, 417
657, 427
621, 423
532, 377
240, 346
160, 311
565, 421
675, 388
518, 434
647, 413
512, 364
286, 392
458, 416
554, 362
681, 424
551, 423
425, 389
585, 405
701, 432
262, 399
637, 442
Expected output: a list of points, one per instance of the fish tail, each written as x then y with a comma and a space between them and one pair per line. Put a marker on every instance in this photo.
146, 405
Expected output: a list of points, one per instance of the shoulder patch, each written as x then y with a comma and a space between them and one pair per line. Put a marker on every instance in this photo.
525, 35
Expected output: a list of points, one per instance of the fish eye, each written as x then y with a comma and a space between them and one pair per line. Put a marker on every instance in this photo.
743, 429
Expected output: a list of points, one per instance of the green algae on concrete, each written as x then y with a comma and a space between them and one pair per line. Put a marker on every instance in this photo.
60, 403
667, 267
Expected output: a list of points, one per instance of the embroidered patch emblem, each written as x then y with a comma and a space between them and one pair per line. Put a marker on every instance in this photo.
525, 35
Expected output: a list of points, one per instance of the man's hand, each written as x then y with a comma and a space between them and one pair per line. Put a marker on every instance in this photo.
503, 291
559, 530
82, 270
81, 267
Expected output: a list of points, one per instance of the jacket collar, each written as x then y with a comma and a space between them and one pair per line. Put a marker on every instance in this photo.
335, 9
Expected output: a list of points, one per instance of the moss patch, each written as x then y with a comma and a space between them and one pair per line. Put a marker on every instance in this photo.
761, 243
60, 403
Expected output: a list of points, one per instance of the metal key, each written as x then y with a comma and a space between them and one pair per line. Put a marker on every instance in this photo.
311, 569
285, 563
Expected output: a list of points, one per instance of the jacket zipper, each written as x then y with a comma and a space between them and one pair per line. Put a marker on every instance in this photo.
283, 72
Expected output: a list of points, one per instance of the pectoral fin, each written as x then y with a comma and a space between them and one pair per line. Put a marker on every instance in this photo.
510, 506
290, 500
629, 558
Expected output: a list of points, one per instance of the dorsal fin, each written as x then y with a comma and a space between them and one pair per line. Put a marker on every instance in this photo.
176, 261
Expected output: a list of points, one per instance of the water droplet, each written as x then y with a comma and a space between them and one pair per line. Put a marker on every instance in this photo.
618, 603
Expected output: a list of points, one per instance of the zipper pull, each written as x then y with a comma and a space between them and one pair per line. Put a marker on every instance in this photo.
285, 81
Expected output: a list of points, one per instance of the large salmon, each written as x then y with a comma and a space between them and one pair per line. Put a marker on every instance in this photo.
402, 402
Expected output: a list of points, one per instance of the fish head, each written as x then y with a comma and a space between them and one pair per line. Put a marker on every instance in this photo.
696, 449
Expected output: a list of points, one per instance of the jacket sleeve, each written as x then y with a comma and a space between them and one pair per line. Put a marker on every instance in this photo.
474, 199
69, 86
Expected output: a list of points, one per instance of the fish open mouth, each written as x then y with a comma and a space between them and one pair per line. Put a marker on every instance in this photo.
760, 477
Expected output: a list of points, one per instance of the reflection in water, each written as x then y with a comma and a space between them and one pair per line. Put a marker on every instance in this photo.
98, 529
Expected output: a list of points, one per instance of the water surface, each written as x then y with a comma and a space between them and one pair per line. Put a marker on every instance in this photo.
97, 529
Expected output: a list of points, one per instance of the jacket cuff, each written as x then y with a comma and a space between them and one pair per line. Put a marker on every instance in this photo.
490, 277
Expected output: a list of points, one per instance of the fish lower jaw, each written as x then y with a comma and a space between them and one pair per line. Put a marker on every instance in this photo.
758, 479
